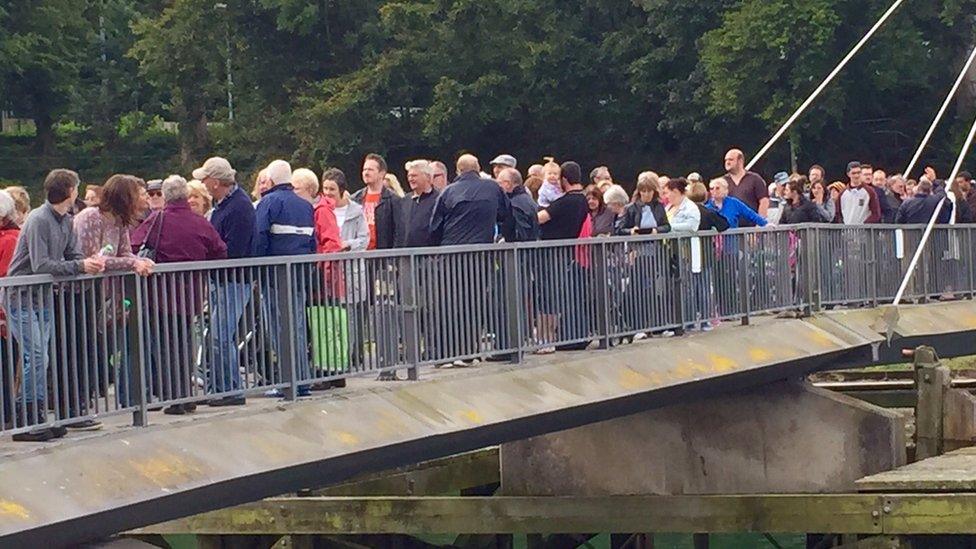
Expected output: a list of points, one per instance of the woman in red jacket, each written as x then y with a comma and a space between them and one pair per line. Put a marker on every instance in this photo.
9, 373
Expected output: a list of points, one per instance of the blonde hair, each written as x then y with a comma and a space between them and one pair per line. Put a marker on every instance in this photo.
197, 188
697, 192
260, 177
21, 200
306, 179
393, 183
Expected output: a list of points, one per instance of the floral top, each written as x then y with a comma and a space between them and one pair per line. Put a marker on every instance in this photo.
96, 230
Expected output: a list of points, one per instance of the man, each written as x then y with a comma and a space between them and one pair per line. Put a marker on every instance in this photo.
155, 190
799, 208
233, 218
964, 182
286, 226
468, 210
600, 176
816, 175
858, 204
379, 203
502, 162
878, 180
47, 245
535, 170
918, 210
731, 208
440, 175
524, 209
416, 208
748, 187
897, 193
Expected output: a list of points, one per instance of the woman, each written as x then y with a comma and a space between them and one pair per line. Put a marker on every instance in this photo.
21, 203
710, 219
11, 371
601, 217
306, 184
102, 230
393, 184
961, 211
646, 214
261, 185
823, 200
176, 234
93, 194
201, 203
683, 214
346, 279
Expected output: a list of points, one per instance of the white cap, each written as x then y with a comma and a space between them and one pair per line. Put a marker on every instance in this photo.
279, 172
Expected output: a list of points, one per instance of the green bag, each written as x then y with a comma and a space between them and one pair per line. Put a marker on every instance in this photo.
329, 328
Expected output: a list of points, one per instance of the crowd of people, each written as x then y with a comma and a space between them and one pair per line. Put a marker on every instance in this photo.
129, 224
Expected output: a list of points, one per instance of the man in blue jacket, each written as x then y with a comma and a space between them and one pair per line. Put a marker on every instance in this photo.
286, 226
233, 218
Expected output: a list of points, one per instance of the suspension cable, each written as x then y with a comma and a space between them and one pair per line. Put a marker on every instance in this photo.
938, 117
823, 85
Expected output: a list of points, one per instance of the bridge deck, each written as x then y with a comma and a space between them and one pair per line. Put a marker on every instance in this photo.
123, 478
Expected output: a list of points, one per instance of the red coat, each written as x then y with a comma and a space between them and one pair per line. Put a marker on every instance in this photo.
327, 238
8, 241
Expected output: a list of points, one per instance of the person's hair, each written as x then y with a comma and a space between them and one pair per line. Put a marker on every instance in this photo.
58, 185
197, 188
795, 185
8, 209
965, 175
803, 180
678, 184
439, 165
867, 166
615, 194
823, 172
120, 198
380, 161
648, 182
572, 172
174, 188
21, 198
255, 188
820, 184
720, 181
337, 176
550, 162
533, 184
97, 189
516, 176
393, 183
306, 178
924, 186
697, 192
423, 166
595, 192
602, 172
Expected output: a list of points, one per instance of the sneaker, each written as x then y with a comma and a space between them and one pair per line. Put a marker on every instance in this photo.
387, 376
706, 327
667, 333
42, 435
87, 425
546, 351
339, 383
640, 336
304, 391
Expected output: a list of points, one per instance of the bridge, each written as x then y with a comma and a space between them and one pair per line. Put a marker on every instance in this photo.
782, 302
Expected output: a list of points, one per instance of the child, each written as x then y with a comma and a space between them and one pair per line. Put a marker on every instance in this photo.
551, 188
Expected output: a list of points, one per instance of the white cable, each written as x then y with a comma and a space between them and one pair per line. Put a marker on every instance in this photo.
938, 117
823, 85
935, 215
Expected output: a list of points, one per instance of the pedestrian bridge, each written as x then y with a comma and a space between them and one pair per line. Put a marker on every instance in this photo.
121, 346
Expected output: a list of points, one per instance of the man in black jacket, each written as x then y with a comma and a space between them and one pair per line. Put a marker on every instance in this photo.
415, 209
524, 209
799, 208
918, 210
378, 202
469, 209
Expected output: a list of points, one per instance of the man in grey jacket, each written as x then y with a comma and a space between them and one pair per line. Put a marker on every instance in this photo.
47, 245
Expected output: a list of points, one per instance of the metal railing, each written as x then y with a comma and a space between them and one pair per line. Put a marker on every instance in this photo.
86, 347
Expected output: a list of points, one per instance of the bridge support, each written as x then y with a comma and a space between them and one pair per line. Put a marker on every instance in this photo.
780, 438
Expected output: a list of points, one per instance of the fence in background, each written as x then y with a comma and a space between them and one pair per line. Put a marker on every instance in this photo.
85, 347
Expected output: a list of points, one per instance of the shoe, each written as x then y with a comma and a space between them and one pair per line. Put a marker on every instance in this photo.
501, 358
42, 435
190, 407
640, 336
227, 401
546, 351
321, 386
304, 391
87, 425
59, 432
667, 333
706, 327
339, 384
175, 410
463, 363
387, 376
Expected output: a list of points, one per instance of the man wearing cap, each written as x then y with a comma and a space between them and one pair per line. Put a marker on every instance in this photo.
155, 189
234, 220
749, 187
501, 162
858, 204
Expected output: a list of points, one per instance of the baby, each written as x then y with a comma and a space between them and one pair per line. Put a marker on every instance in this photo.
551, 188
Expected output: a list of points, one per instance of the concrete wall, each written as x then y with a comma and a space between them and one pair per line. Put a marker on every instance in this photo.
781, 438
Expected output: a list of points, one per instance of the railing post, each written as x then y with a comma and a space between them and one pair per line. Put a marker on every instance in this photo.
873, 262
745, 269
811, 247
924, 272
601, 293
677, 286
284, 290
135, 364
407, 282
514, 302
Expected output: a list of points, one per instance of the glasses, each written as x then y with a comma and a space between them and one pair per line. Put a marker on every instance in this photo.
155, 193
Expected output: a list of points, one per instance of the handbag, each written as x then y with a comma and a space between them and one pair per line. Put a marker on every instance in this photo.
146, 250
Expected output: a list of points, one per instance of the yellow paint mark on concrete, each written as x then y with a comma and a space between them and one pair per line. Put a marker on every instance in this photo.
759, 354
473, 416
631, 380
820, 338
347, 438
12, 509
721, 363
163, 470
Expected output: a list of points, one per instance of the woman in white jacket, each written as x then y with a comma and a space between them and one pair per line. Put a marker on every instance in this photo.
682, 212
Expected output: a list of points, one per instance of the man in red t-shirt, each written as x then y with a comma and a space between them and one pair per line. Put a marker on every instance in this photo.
378, 203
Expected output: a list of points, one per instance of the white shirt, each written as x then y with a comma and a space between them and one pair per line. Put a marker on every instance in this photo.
340, 215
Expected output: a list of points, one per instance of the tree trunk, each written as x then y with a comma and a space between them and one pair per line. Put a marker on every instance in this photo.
44, 136
194, 134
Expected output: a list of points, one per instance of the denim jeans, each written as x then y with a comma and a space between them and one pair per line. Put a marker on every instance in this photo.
272, 323
32, 327
227, 303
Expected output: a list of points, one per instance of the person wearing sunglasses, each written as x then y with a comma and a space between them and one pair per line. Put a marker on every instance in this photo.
154, 189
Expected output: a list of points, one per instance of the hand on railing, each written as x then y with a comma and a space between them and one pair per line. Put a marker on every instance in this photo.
93, 265
144, 267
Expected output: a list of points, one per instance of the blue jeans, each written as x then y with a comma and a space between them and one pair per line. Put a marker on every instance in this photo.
227, 303
32, 327
272, 323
